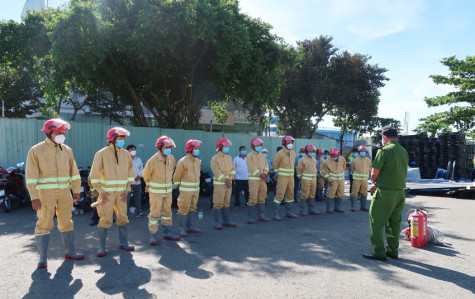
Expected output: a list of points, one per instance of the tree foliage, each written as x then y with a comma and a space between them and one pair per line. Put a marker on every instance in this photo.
169, 58
357, 90
461, 112
307, 92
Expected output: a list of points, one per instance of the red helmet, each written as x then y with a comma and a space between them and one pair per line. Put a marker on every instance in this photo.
334, 152
287, 138
116, 132
309, 148
302, 150
319, 151
256, 142
55, 124
191, 144
164, 141
362, 148
223, 142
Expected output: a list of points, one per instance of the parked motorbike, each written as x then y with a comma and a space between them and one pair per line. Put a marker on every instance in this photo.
205, 179
12, 188
84, 203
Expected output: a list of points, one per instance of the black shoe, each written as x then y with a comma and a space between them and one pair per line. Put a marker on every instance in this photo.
394, 257
373, 257
93, 223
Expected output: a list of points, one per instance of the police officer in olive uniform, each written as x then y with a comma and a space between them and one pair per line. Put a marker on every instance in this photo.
389, 181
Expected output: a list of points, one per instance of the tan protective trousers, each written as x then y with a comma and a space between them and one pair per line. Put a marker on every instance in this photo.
160, 205
337, 188
257, 192
359, 187
60, 199
320, 183
113, 205
187, 202
285, 184
221, 197
308, 189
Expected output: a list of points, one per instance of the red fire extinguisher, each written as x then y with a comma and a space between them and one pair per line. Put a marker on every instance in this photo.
418, 228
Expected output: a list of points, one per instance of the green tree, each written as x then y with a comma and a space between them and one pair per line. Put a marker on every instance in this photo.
461, 114
357, 86
374, 126
169, 58
307, 91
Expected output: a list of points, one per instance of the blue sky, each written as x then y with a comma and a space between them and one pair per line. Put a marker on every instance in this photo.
408, 37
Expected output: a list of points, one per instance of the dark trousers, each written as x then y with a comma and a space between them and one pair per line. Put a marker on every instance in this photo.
240, 185
137, 192
211, 191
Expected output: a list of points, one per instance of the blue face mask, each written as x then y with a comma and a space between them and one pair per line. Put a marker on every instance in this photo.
265, 155
311, 154
325, 156
362, 154
355, 155
196, 153
336, 158
258, 149
302, 154
167, 152
243, 153
226, 150
120, 143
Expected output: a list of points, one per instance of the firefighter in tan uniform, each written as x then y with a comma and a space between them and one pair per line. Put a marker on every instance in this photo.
335, 175
307, 174
284, 166
157, 174
187, 177
51, 174
320, 178
224, 172
360, 168
112, 174
258, 169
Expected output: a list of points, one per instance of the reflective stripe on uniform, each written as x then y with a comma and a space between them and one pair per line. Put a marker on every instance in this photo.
51, 180
32, 181
76, 177
53, 186
253, 178
360, 177
159, 185
118, 189
190, 189
190, 184
219, 183
220, 177
166, 218
152, 190
309, 176
104, 182
153, 221
337, 176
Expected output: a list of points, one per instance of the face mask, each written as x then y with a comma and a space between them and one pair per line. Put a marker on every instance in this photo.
336, 158
362, 154
243, 153
302, 154
311, 154
325, 156
226, 150
355, 155
265, 155
196, 153
167, 152
290, 146
60, 139
120, 143
133, 153
258, 149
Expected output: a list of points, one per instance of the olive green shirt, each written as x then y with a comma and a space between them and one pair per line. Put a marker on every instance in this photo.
392, 161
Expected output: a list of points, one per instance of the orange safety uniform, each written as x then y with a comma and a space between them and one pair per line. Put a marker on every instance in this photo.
335, 171
223, 168
284, 165
187, 177
257, 164
360, 168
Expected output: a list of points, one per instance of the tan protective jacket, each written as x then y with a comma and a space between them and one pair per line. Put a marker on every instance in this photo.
108, 175
284, 162
361, 168
223, 168
335, 170
49, 166
307, 168
187, 174
158, 173
256, 164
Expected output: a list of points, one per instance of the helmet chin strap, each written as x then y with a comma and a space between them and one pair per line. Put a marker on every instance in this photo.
115, 150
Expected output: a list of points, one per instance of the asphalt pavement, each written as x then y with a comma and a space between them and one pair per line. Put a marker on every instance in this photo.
309, 257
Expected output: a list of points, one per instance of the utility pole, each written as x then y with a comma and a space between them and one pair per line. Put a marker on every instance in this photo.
406, 123
3, 109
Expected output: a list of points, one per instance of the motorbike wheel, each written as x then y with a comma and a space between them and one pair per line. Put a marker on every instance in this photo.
7, 204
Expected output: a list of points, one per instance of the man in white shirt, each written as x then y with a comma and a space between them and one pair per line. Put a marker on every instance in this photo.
241, 182
136, 188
